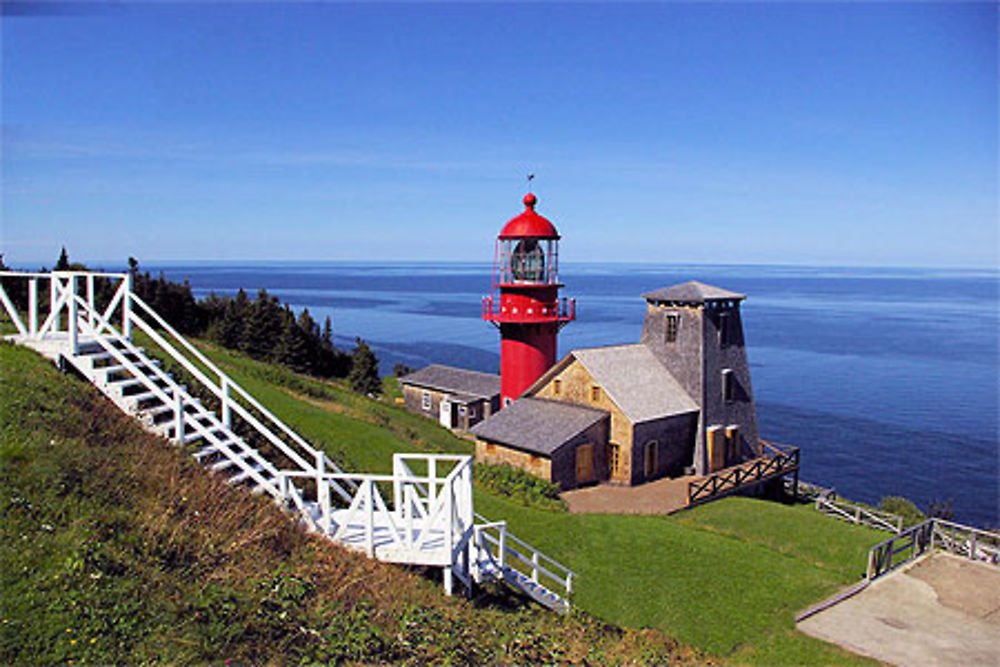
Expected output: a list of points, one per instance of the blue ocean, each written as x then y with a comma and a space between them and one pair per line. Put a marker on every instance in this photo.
886, 378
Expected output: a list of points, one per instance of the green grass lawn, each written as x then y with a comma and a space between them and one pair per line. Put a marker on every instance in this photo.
727, 577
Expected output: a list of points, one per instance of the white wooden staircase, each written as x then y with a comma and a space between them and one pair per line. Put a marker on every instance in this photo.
420, 514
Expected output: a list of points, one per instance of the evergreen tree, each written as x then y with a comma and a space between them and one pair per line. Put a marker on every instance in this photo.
62, 264
293, 349
364, 370
263, 327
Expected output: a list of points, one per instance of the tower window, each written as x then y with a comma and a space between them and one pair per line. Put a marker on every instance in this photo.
556, 387
671, 332
724, 326
728, 382
595, 394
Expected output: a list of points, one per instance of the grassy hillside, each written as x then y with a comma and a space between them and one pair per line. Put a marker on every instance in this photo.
116, 548
727, 577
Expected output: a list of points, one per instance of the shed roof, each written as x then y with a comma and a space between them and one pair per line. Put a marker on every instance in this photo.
538, 425
692, 292
455, 381
638, 383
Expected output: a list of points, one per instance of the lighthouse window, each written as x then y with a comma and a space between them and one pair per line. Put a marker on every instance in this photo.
724, 329
528, 261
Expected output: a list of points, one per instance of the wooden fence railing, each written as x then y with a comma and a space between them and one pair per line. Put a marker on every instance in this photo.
862, 516
777, 461
959, 539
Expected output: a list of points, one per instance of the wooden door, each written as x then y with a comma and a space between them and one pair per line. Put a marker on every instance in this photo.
650, 467
584, 463
614, 460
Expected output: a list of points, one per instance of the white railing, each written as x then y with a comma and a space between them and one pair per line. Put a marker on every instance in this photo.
63, 299
972, 543
503, 550
425, 512
430, 510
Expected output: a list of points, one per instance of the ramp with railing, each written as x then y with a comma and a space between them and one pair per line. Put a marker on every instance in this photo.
420, 514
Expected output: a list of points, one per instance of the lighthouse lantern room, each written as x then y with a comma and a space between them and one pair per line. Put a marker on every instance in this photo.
525, 303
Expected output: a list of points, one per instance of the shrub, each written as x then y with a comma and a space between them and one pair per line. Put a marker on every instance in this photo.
903, 507
522, 486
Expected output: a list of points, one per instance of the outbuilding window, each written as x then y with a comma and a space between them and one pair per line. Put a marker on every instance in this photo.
556, 387
425, 400
595, 394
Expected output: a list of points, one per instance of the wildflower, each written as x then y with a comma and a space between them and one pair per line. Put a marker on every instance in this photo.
72, 642
93, 640
68, 630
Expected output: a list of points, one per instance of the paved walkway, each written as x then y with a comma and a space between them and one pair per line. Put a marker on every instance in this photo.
943, 610
660, 497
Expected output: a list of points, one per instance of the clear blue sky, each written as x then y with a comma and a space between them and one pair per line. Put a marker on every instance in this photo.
852, 133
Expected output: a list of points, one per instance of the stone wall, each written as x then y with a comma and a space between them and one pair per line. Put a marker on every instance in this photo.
560, 468
575, 385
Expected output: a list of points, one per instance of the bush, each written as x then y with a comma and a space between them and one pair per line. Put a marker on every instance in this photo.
903, 507
522, 486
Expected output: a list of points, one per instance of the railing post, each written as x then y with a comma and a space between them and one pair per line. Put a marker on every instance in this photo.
569, 585
227, 417
973, 546
178, 417
322, 492
74, 336
90, 299
283, 485
503, 545
370, 518
534, 566
53, 298
127, 307
32, 307
857, 514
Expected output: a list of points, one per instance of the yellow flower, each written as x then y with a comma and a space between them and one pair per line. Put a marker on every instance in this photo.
72, 641
69, 629
93, 639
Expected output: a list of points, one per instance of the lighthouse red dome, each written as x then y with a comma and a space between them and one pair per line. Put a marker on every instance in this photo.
529, 223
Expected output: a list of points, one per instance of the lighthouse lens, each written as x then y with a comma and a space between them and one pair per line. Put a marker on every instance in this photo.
527, 262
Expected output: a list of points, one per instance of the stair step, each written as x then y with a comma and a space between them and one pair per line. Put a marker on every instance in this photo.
225, 463
246, 473
134, 400
119, 368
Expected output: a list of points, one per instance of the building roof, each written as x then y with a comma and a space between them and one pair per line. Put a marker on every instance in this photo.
692, 292
529, 223
638, 383
538, 425
455, 381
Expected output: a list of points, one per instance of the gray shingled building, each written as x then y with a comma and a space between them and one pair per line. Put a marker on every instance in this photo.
678, 401
456, 397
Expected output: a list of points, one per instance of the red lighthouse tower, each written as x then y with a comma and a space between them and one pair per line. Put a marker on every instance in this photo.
529, 313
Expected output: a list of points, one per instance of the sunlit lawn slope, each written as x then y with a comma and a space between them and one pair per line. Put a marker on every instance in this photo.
727, 577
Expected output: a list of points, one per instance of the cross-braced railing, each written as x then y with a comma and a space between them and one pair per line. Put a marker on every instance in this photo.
422, 513
72, 313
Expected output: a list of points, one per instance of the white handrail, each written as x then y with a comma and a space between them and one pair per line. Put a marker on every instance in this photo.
100, 336
226, 382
